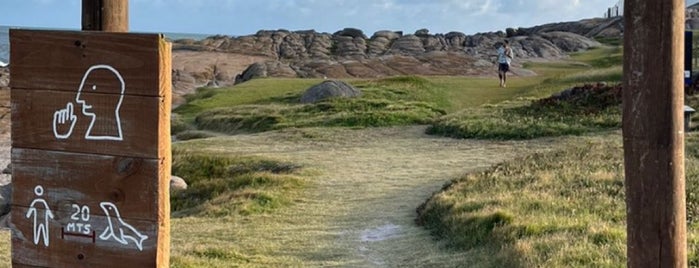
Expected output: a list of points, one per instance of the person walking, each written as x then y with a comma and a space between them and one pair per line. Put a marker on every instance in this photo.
505, 56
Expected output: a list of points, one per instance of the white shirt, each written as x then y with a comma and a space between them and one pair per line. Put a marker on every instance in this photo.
505, 56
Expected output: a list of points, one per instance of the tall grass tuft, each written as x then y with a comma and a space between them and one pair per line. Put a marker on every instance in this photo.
564, 208
223, 186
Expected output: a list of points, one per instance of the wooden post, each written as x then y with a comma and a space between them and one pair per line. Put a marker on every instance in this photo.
653, 133
105, 15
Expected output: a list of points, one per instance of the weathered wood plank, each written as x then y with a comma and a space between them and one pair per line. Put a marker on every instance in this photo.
91, 136
108, 241
88, 179
143, 123
59, 60
164, 153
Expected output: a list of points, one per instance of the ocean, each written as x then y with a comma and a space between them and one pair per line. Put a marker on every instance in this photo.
5, 41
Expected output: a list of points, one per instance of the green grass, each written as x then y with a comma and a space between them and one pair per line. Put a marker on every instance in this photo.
221, 186
564, 208
592, 111
523, 118
610, 41
332, 113
256, 91
269, 104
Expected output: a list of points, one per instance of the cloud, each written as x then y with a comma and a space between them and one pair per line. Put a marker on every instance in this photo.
469, 16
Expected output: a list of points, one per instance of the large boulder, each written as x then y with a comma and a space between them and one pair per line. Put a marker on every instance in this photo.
535, 46
434, 43
422, 32
347, 46
407, 45
329, 89
455, 40
381, 42
319, 45
266, 69
351, 32
570, 42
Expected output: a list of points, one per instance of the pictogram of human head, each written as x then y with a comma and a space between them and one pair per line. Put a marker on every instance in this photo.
100, 95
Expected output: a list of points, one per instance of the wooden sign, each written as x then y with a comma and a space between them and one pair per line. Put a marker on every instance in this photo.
90, 149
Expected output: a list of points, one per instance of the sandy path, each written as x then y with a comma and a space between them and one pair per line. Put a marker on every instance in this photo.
361, 209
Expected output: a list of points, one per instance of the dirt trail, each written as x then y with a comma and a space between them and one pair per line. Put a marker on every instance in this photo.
361, 210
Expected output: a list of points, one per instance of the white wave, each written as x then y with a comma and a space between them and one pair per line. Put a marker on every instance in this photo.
2, 64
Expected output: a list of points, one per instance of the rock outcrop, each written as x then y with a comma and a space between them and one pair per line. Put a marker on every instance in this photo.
598, 27
4, 78
266, 69
350, 53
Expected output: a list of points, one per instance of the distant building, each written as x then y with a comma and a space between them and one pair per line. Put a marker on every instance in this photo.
615, 11
618, 9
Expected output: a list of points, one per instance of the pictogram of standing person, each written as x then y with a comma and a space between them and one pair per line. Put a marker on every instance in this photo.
41, 220
103, 108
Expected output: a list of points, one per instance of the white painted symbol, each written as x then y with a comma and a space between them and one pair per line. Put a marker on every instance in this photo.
64, 119
118, 229
81, 219
41, 222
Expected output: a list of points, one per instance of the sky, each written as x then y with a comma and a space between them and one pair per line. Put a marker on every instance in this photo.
244, 17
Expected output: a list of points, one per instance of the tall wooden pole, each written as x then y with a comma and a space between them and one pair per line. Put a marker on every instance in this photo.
653, 133
105, 15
